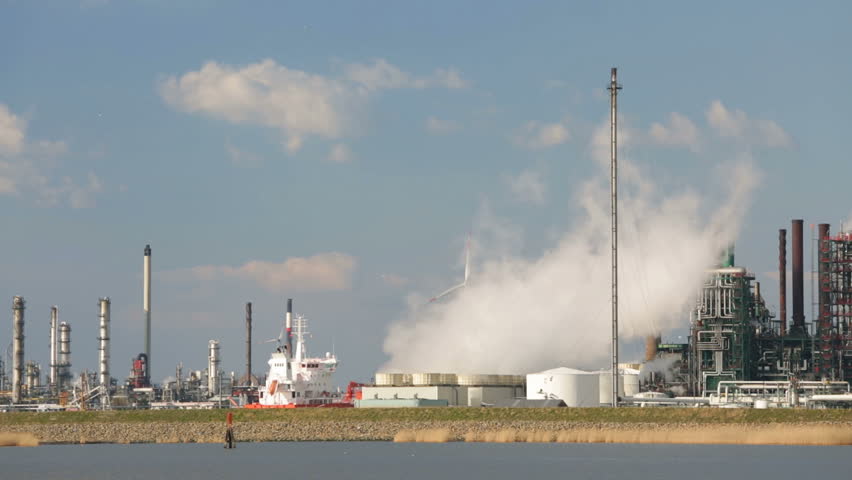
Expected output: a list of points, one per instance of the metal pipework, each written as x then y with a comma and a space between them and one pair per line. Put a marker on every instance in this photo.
18, 306
146, 307
64, 367
213, 368
289, 326
248, 344
798, 278
103, 343
54, 346
782, 277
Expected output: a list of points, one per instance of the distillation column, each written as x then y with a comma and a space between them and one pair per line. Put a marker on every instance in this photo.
64, 368
213, 368
103, 348
17, 348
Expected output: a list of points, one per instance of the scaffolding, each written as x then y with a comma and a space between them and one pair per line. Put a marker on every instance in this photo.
833, 343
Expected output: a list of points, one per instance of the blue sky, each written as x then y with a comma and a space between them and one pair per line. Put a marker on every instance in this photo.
362, 140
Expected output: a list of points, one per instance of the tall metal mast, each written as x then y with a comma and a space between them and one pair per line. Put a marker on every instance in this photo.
613, 88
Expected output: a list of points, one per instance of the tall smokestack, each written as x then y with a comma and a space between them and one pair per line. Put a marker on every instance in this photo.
289, 325
64, 369
213, 368
782, 277
17, 348
248, 344
54, 347
146, 307
103, 348
798, 279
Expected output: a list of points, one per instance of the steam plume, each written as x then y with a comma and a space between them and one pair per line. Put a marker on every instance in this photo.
522, 315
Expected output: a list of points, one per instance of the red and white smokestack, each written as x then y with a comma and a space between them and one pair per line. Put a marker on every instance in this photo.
289, 326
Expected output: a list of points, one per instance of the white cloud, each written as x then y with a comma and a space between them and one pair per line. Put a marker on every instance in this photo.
678, 132
339, 154
12, 131
381, 74
267, 94
24, 167
322, 272
535, 135
296, 103
527, 187
736, 124
439, 126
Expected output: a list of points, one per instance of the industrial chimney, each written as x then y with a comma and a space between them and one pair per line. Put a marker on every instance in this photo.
248, 344
289, 325
17, 348
782, 277
146, 307
103, 347
54, 348
213, 368
798, 279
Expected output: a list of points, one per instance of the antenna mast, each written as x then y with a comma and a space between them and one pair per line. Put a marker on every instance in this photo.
613, 88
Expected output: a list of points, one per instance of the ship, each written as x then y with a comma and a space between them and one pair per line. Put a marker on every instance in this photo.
296, 379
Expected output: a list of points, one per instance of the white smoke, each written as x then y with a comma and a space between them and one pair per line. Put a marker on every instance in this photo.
521, 315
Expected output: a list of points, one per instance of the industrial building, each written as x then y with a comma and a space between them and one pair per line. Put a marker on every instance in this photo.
734, 337
440, 389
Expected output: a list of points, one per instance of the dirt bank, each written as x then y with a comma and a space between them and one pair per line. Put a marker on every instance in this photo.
811, 433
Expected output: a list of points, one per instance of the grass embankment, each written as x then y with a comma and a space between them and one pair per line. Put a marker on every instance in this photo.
660, 416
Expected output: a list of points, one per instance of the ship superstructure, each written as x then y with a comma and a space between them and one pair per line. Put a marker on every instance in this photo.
297, 379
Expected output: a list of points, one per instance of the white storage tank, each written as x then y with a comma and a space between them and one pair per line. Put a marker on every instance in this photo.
628, 384
421, 379
387, 379
577, 388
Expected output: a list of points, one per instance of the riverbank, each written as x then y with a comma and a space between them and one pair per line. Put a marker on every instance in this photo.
629, 425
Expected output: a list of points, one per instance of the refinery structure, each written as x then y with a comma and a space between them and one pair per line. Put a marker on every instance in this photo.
738, 352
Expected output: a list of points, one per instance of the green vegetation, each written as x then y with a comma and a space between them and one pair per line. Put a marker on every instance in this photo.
580, 415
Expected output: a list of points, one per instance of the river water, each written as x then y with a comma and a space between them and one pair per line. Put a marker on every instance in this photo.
381, 460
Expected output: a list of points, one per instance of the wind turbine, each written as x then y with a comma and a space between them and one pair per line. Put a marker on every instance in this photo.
466, 274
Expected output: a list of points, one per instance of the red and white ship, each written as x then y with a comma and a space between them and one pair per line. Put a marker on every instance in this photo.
296, 379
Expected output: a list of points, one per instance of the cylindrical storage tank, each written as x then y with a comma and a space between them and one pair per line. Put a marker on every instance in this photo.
606, 387
390, 379
213, 368
576, 388
471, 379
17, 348
631, 384
423, 379
761, 403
